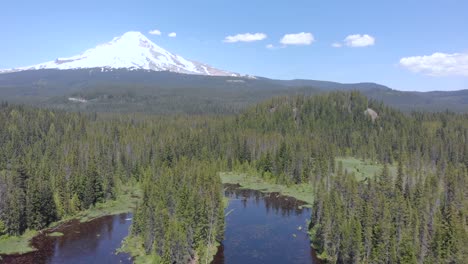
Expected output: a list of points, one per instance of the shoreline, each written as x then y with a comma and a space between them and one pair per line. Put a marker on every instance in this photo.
18, 245
301, 192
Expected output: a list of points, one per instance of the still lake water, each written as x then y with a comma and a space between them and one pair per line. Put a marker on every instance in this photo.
91, 242
260, 228
264, 228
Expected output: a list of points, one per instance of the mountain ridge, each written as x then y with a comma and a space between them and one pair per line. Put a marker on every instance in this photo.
125, 90
133, 51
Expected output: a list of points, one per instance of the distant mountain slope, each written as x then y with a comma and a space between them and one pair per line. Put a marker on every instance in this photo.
331, 85
132, 50
125, 90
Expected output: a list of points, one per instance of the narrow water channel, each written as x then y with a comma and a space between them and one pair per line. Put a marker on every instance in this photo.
264, 228
260, 228
91, 242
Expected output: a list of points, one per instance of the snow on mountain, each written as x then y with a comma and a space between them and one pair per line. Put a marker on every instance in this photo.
132, 51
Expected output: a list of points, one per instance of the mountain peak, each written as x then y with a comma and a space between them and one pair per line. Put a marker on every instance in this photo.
134, 36
132, 50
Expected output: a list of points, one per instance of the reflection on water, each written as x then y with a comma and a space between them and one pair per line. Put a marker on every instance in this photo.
90, 242
260, 228
264, 228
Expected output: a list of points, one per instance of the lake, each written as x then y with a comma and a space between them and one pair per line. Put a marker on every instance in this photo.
260, 228
264, 228
91, 242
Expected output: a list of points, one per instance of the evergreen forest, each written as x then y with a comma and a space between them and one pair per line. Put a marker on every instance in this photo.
55, 164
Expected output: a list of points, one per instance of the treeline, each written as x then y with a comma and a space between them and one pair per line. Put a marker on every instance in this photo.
48, 168
419, 215
337, 121
181, 216
54, 164
415, 217
76, 160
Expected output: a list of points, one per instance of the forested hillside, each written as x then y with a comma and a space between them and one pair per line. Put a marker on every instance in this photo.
130, 91
418, 215
54, 163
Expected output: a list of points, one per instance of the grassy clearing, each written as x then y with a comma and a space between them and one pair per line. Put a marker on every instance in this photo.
17, 244
125, 202
127, 198
134, 247
303, 192
211, 252
55, 234
363, 169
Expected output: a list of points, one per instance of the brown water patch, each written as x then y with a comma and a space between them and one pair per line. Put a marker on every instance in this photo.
89, 242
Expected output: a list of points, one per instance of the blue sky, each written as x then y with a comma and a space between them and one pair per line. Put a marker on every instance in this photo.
37, 31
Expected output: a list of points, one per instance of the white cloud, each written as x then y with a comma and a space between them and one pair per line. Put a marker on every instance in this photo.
359, 40
275, 47
302, 38
246, 37
438, 64
155, 32
172, 34
337, 45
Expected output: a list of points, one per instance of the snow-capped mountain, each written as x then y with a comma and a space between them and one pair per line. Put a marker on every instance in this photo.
132, 51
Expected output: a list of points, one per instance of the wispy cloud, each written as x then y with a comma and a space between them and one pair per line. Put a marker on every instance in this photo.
438, 64
337, 45
274, 47
358, 40
172, 34
246, 37
155, 32
302, 38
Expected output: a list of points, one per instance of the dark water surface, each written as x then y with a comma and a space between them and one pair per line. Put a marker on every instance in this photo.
90, 242
264, 228
260, 228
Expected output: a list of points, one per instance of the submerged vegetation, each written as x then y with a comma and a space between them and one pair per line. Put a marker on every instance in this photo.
398, 196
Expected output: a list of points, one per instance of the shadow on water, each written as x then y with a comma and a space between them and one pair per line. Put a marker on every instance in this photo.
264, 228
91, 242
